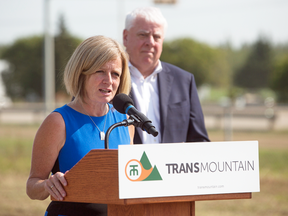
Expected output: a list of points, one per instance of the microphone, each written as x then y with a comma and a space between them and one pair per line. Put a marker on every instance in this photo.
124, 104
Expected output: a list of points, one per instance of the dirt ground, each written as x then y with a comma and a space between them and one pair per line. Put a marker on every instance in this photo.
272, 200
266, 139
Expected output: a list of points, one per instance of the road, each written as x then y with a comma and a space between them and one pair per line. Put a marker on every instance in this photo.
216, 117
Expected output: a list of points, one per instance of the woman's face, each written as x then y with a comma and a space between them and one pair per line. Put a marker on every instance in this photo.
102, 85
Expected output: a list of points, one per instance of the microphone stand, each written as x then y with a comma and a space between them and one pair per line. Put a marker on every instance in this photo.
131, 121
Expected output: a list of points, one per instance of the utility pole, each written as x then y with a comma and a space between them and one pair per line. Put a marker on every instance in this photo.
49, 64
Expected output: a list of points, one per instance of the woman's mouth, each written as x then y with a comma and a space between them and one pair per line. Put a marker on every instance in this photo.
105, 91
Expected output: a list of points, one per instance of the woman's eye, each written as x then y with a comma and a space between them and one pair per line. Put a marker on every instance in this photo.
116, 74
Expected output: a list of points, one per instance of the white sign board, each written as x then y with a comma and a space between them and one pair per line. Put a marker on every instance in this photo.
182, 169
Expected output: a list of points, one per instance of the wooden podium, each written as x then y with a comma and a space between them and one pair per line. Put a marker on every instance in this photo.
94, 179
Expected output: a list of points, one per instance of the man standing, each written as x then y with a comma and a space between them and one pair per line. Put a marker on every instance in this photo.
166, 94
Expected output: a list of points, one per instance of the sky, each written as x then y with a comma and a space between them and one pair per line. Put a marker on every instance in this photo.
209, 21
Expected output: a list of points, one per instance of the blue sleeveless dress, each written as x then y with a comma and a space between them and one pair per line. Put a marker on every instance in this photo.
81, 137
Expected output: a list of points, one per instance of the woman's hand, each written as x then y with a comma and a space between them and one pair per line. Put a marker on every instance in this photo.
55, 184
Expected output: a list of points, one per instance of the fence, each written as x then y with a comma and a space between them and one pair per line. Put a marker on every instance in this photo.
254, 117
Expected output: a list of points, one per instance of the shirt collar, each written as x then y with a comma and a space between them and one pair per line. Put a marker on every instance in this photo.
137, 74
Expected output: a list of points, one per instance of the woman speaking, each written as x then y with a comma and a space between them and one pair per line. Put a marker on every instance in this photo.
95, 73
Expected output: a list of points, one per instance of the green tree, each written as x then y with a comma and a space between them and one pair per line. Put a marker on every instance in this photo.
255, 73
209, 65
235, 57
2, 47
65, 44
279, 79
24, 79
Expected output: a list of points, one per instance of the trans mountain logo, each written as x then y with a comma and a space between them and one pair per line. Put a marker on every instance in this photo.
142, 170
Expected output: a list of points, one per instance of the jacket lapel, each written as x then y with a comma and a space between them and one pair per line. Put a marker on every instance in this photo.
165, 80
137, 139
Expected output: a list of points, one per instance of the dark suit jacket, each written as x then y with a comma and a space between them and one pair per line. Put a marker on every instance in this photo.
181, 114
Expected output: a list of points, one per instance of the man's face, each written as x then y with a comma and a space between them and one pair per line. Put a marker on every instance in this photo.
143, 43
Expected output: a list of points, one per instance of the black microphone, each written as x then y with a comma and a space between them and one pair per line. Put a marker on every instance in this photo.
124, 104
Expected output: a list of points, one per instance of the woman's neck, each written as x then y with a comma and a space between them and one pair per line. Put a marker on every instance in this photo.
91, 109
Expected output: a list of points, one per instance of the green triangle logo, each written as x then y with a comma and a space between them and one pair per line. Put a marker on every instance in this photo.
145, 162
155, 175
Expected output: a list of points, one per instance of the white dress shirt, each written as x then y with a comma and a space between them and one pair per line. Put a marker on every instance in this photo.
147, 100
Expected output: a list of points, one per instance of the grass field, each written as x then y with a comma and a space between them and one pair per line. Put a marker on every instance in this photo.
15, 154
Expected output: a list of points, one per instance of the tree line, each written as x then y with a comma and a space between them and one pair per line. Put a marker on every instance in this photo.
256, 66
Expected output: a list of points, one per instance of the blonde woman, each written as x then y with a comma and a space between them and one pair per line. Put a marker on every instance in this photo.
95, 73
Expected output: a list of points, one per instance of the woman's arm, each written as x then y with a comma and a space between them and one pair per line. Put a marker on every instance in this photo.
131, 129
48, 141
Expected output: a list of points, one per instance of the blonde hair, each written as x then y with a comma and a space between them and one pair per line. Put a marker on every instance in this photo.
88, 57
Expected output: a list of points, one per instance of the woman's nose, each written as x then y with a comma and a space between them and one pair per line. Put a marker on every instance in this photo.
108, 78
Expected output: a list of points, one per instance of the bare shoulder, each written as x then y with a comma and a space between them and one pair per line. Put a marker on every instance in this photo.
52, 130
54, 119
